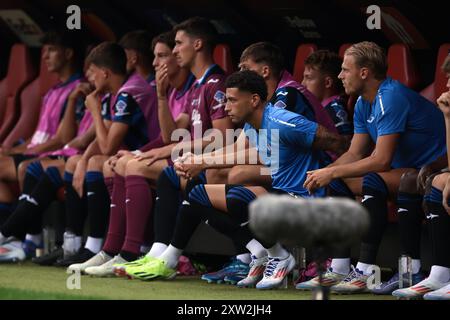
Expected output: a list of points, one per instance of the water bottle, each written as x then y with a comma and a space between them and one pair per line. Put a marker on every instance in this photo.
49, 239
405, 272
299, 254
69, 246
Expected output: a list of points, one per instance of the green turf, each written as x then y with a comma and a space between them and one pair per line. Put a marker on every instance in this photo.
28, 281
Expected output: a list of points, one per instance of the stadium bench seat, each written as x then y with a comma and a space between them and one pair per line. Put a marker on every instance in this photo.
434, 90
30, 104
401, 65
222, 56
342, 49
20, 73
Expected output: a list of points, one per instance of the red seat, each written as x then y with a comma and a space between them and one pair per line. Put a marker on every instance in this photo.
222, 57
342, 49
303, 51
435, 89
20, 73
401, 65
30, 104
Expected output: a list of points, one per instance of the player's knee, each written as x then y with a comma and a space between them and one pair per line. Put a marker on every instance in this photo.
134, 167
95, 163
238, 175
408, 182
217, 176
71, 163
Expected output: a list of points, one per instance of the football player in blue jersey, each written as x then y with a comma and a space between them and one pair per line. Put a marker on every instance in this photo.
286, 142
437, 285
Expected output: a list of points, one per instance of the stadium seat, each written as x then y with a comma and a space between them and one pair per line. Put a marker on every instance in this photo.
30, 103
222, 56
303, 51
20, 73
434, 90
342, 49
401, 65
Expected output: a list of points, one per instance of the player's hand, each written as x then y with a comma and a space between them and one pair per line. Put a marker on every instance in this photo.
93, 103
317, 179
443, 103
152, 156
190, 166
162, 81
112, 161
83, 89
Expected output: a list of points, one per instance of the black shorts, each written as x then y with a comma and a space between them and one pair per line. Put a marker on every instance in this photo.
19, 158
271, 190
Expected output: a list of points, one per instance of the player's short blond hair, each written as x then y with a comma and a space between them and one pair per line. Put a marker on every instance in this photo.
370, 55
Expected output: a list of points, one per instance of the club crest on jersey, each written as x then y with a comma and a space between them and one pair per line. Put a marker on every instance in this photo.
342, 115
280, 104
220, 97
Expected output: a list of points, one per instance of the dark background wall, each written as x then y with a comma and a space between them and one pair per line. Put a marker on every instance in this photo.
287, 23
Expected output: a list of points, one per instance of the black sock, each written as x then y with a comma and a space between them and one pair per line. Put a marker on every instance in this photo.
98, 202
338, 189
196, 210
44, 193
6, 210
167, 205
238, 199
439, 221
410, 217
76, 207
375, 195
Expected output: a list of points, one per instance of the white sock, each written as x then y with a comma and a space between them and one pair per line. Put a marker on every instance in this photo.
341, 265
277, 251
364, 267
245, 258
144, 249
440, 274
256, 248
170, 256
35, 238
157, 249
94, 244
72, 243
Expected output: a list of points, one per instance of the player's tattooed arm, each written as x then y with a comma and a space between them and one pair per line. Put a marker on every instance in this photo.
326, 140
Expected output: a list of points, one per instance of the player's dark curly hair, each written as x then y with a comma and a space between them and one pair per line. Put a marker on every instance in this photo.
248, 81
